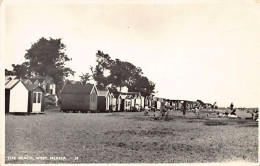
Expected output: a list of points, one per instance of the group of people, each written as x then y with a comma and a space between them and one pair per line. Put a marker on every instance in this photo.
162, 113
165, 109
196, 110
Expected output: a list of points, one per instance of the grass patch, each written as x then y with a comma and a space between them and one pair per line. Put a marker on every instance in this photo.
129, 137
149, 133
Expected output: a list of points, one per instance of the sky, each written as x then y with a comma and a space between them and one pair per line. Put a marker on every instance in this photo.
207, 50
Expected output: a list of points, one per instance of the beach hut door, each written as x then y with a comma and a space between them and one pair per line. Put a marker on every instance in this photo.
107, 103
37, 98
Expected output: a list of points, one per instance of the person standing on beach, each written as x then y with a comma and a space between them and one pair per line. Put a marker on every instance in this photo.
231, 106
184, 108
197, 111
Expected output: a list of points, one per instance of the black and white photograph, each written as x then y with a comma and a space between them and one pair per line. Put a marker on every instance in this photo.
130, 82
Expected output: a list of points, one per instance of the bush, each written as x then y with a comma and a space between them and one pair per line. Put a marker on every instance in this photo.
50, 100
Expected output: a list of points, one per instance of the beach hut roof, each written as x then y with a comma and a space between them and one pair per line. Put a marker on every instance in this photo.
101, 88
27, 81
11, 83
41, 79
130, 93
115, 94
103, 93
31, 87
78, 88
9, 78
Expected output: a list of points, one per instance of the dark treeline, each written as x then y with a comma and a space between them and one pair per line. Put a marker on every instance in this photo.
48, 57
120, 74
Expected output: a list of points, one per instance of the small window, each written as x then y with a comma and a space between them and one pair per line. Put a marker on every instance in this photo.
39, 97
34, 97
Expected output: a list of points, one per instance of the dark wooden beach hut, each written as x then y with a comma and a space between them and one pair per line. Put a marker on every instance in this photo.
103, 101
79, 97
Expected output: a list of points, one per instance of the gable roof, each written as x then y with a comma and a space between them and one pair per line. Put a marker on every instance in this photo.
36, 82
9, 78
123, 96
101, 88
46, 77
26, 81
31, 87
41, 79
200, 101
149, 97
115, 94
12, 77
103, 93
77, 88
11, 83
130, 93
111, 95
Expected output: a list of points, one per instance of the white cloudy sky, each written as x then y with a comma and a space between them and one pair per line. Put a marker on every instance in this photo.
208, 50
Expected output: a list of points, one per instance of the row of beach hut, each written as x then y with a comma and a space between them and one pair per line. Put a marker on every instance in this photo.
22, 96
89, 97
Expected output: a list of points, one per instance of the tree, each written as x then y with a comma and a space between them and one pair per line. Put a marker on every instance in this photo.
22, 71
124, 74
120, 74
142, 85
9, 73
47, 57
103, 64
84, 78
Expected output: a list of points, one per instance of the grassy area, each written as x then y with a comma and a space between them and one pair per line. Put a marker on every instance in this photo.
129, 138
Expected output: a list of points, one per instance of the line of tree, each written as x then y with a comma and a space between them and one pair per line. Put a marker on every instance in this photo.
116, 74
48, 57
